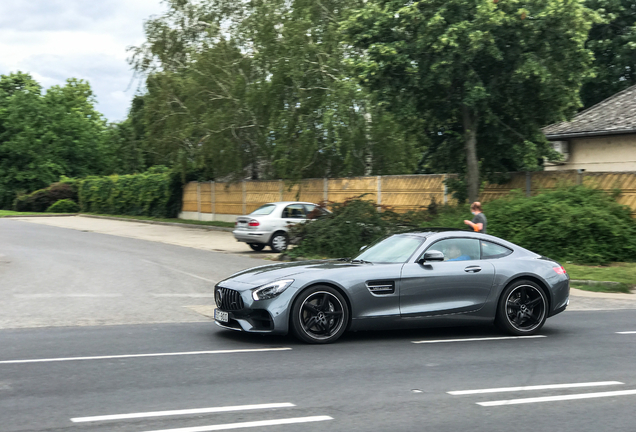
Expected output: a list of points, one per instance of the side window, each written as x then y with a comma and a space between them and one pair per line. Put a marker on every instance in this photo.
314, 212
492, 250
294, 211
457, 249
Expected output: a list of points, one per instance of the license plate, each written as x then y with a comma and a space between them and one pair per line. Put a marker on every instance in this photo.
221, 316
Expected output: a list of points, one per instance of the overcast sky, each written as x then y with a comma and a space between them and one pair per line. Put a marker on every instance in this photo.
58, 39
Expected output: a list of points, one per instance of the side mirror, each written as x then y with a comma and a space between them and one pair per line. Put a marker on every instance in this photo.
363, 247
432, 255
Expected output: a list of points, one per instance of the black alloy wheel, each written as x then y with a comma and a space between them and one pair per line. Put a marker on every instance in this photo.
278, 243
257, 246
523, 308
320, 315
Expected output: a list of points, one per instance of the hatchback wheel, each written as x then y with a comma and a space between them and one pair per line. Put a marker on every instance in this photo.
278, 243
320, 315
257, 246
522, 309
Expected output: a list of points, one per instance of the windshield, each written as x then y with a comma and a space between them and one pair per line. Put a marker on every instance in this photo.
394, 249
264, 210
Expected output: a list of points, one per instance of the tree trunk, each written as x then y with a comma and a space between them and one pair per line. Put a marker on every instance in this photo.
470, 141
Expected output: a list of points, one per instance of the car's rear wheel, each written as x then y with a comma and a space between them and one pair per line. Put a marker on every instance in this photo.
320, 315
279, 241
522, 309
257, 246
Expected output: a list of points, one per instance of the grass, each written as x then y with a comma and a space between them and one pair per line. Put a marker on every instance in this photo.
171, 220
4, 213
623, 273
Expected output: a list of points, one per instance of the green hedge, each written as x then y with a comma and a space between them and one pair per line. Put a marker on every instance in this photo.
63, 206
42, 199
146, 194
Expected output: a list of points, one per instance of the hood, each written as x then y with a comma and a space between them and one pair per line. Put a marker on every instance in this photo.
258, 276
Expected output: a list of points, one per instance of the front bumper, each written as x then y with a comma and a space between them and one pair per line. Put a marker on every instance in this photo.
248, 236
262, 316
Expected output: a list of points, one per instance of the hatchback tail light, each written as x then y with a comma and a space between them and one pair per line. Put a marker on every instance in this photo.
254, 223
559, 270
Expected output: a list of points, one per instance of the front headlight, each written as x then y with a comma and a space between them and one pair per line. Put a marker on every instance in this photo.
271, 290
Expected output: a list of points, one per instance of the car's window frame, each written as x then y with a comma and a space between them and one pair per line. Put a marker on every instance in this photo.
435, 241
481, 241
301, 207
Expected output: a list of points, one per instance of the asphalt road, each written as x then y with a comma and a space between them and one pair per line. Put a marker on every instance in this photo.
183, 374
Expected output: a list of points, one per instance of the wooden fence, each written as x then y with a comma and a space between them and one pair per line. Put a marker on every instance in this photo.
213, 200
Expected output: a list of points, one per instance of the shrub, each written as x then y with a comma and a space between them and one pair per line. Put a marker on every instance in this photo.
41, 200
351, 225
145, 194
576, 223
63, 206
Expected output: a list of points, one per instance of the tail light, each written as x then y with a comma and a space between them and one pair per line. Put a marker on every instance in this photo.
254, 223
235, 224
559, 270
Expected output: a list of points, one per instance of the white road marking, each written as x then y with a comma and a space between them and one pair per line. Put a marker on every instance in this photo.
181, 412
558, 398
248, 424
537, 387
181, 271
626, 332
144, 355
477, 339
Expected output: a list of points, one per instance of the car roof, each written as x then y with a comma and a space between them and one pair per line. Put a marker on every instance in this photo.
289, 202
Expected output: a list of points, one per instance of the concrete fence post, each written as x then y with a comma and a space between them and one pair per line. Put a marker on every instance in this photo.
445, 190
213, 199
198, 200
528, 184
244, 198
280, 190
325, 189
379, 186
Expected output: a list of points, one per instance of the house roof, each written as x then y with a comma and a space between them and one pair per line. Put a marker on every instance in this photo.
614, 115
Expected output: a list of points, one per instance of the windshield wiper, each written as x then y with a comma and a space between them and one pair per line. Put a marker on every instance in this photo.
360, 261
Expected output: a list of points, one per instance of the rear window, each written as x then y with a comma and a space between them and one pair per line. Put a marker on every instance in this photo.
492, 250
264, 210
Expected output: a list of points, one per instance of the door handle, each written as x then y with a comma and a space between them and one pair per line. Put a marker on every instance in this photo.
472, 269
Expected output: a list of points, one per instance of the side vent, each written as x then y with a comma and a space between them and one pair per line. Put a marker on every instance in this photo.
381, 287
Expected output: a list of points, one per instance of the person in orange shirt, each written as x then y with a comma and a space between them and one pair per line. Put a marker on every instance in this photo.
479, 222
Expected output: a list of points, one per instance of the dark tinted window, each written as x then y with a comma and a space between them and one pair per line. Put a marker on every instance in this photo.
492, 250
457, 249
294, 211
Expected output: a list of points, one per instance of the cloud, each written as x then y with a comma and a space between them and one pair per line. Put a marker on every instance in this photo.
59, 39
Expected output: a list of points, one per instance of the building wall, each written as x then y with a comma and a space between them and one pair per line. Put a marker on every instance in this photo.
600, 154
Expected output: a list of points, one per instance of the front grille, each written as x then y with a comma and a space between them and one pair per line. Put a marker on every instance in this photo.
228, 299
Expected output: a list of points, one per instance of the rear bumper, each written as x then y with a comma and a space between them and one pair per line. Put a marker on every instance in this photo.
248, 236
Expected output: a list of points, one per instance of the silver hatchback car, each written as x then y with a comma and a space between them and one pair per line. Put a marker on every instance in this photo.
269, 224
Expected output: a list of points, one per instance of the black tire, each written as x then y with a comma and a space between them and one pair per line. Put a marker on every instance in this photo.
279, 241
257, 246
522, 308
320, 315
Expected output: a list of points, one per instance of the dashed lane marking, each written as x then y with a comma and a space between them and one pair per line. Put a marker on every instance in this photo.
536, 387
63, 359
626, 332
252, 424
181, 412
477, 339
558, 398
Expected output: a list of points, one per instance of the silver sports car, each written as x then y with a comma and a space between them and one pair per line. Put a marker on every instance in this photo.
404, 280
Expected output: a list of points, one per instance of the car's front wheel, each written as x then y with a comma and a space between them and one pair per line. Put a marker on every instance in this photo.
320, 315
257, 246
522, 309
279, 241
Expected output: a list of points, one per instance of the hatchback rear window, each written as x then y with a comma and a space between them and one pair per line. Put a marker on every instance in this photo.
264, 210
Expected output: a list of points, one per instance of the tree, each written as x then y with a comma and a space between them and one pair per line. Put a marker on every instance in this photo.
613, 42
260, 89
485, 74
46, 136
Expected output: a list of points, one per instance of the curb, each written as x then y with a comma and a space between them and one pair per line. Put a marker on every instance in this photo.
41, 215
182, 225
